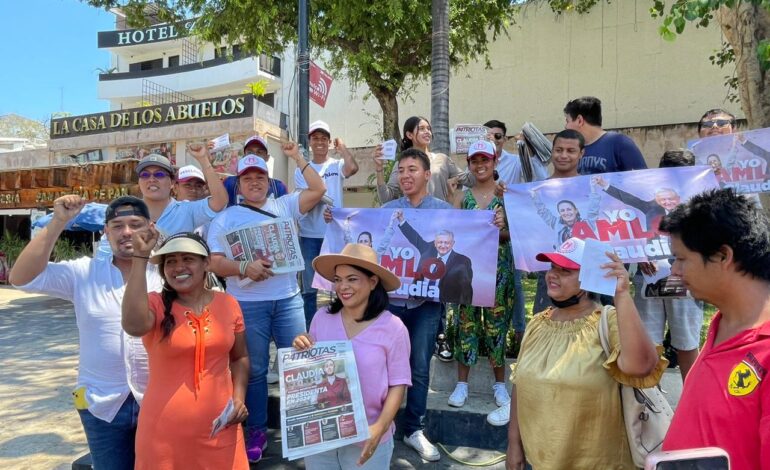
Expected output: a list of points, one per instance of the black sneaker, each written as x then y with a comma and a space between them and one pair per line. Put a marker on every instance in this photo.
442, 349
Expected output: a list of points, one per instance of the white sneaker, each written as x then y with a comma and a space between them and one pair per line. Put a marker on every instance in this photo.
500, 416
501, 394
458, 397
272, 373
422, 445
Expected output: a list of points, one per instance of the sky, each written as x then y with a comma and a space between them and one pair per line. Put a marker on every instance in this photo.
49, 54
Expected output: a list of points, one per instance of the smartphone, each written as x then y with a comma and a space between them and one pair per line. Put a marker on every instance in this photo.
705, 458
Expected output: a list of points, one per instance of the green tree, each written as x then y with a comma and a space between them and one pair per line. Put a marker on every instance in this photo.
745, 25
385, 44
13, 125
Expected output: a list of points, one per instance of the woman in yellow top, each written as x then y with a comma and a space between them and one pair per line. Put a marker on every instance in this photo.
565, 406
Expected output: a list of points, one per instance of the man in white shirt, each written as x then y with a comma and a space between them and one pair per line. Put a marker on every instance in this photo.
112, 368
312, 226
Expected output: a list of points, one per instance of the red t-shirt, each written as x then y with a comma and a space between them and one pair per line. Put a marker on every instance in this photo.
726, 399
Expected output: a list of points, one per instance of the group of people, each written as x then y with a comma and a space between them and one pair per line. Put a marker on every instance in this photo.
186, 352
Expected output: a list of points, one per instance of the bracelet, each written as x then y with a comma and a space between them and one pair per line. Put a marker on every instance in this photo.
304, 168
142, 257
242, 267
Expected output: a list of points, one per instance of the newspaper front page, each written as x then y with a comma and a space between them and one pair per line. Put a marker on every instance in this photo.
275, 239
321, 403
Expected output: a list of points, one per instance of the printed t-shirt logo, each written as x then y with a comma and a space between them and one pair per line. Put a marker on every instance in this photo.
743, 380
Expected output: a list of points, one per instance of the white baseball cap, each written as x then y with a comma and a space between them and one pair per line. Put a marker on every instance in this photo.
251, 161
255, 139
319, 126
569, 255
189, 172
482, 147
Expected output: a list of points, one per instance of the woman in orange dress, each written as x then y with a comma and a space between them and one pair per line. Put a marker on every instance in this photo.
199, 364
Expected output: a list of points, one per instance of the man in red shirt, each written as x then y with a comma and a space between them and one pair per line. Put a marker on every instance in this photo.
721, 244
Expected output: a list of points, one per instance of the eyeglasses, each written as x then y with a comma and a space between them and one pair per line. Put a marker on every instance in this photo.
498, 136
158, 175
716, 123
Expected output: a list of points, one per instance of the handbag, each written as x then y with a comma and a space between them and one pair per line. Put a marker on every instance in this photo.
646, 413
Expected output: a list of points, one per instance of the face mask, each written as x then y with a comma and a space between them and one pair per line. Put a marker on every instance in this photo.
574, 300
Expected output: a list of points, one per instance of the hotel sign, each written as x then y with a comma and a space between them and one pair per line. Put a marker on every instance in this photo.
155, 33
212, 109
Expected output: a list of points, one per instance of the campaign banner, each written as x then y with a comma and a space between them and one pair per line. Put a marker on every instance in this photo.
321, 403
622, 209
442, 255
739, 160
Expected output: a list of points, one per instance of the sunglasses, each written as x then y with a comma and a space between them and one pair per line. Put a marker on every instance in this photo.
498, 136
158, 175
716, 123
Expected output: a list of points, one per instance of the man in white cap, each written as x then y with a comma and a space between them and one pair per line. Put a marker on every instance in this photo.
312, 227
190, 184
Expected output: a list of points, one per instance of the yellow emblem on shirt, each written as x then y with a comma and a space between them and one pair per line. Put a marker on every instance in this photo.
743, 380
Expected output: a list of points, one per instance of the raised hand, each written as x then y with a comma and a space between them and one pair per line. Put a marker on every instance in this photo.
291, 150
379, 163
618, 271
199, 152
67, 207
144, 240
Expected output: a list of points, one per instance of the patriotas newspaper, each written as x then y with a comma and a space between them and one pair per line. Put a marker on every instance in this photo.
321, 403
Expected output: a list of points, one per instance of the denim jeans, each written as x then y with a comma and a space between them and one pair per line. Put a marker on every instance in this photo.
343, 458
112, 444
422, 323
519, 322
281, 320
310, 247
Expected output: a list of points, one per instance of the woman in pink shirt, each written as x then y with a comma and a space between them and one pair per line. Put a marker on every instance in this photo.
379, 339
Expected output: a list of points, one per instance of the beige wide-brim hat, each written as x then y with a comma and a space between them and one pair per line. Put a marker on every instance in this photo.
181, 243
356, 254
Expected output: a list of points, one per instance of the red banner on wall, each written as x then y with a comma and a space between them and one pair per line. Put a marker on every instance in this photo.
320, 84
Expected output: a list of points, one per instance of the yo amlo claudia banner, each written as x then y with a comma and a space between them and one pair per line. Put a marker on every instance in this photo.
442, 255
622, 209
739, 160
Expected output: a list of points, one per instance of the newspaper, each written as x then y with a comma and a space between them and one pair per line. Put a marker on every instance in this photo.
321, 403
273, 239
466, 134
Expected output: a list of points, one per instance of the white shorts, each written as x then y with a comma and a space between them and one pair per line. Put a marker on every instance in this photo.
684, 317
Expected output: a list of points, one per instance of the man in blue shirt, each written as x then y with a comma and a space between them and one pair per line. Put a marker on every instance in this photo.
421, 317
605, 152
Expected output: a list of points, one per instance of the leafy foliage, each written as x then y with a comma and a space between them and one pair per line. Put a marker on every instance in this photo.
13, 125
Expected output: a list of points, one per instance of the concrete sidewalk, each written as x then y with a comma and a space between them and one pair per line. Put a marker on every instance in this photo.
39, 349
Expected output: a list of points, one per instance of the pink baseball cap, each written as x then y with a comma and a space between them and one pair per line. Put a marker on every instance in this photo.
251, 162
482, 147
569, 255
255, 139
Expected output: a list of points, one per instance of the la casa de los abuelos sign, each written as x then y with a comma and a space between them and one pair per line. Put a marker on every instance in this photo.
212, 109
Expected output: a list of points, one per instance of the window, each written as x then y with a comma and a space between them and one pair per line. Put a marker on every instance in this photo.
146, 65
173, 61
271, 65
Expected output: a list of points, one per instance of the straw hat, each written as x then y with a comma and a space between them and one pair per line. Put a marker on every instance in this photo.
185, 242
359, 255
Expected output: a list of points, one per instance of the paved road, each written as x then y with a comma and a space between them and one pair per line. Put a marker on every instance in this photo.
41, 430
38, 349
